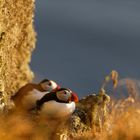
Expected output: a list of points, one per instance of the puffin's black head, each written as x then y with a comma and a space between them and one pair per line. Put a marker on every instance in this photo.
48, 85
66, 94
62, 95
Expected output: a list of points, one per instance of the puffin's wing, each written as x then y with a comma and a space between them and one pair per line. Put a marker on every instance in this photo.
23, 90
47, 97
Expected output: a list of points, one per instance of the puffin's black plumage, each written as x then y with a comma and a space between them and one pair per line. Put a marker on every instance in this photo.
49, 97
44, 80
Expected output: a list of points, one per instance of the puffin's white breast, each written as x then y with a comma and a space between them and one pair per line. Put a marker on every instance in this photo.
29, 101
54, 109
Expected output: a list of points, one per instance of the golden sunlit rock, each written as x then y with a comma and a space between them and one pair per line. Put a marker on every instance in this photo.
17, 41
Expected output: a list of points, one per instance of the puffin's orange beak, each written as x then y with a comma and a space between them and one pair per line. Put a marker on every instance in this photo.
74, 98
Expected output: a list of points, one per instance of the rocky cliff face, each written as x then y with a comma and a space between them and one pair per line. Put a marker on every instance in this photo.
17, 40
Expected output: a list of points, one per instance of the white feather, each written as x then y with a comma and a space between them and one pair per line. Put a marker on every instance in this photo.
54, 109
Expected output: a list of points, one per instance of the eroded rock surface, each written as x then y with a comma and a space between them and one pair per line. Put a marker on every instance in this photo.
17, 40
91, 114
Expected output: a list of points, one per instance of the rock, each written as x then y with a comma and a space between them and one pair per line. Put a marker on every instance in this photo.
17, 41
91, 113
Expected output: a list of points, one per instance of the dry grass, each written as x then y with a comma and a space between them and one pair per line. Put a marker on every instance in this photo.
122, 123
121, 126
123, 119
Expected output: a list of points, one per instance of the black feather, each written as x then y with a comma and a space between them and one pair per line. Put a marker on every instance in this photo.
43, 81
48, 97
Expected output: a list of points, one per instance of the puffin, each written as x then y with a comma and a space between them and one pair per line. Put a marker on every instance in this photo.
58, 104
25, 99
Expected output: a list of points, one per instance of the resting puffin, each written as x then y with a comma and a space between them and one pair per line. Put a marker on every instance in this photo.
25, 99
57, 104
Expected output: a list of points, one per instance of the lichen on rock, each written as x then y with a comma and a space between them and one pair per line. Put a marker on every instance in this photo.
17, 41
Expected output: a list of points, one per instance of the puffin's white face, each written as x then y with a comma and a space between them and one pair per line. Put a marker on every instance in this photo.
49, 85
64, 95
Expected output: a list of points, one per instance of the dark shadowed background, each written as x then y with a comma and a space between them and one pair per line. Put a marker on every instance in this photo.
80, 41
